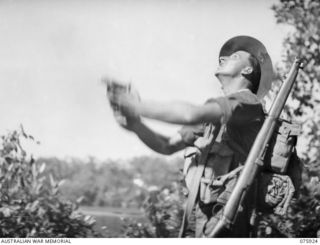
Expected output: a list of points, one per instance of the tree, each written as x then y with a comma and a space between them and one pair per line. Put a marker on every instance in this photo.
304, 41
30, 203
111, 183
303, 217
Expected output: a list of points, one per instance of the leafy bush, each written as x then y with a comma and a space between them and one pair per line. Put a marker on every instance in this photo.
164, 209
133, 229
302, 16
30, 204
110, 182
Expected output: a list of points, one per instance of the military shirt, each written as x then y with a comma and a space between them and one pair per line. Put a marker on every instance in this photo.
243, 116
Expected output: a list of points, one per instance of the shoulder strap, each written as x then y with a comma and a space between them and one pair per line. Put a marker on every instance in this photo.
209, 138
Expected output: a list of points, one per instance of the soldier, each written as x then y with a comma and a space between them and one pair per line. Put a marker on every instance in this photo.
245, 73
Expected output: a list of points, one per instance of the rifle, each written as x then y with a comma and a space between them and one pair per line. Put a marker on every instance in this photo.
256, 155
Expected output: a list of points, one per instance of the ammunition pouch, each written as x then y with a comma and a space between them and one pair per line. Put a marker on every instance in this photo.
220, 188
281, 147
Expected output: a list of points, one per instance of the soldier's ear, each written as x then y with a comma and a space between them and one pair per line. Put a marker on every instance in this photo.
247, 70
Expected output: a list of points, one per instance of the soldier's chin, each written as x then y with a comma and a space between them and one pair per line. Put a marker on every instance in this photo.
219, 73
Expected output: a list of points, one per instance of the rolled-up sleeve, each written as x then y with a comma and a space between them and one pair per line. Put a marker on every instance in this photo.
239, 108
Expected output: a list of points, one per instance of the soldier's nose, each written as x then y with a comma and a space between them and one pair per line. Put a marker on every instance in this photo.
222, 59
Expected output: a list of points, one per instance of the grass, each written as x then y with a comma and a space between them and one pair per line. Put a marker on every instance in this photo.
112, 218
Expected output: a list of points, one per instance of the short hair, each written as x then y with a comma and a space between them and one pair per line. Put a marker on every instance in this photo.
255, 75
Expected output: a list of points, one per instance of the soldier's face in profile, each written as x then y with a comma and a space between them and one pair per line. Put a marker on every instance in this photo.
233, 65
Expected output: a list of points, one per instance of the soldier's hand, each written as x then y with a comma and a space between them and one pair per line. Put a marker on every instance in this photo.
126, 119
122, 98
114, 87
128, 104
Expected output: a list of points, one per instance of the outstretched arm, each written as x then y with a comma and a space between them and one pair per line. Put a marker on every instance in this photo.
157, 142
132, 122
174, 112
180, 112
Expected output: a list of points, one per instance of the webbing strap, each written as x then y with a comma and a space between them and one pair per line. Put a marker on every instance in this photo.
209, 137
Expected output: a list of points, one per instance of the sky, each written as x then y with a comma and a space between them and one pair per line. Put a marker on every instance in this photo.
53, 55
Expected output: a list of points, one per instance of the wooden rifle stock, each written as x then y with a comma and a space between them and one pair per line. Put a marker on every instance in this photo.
256, 154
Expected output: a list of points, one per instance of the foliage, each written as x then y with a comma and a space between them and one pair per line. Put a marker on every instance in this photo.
133, 229
145, 182
112, 183
164, 211
30, 203
304, 41
303, 217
